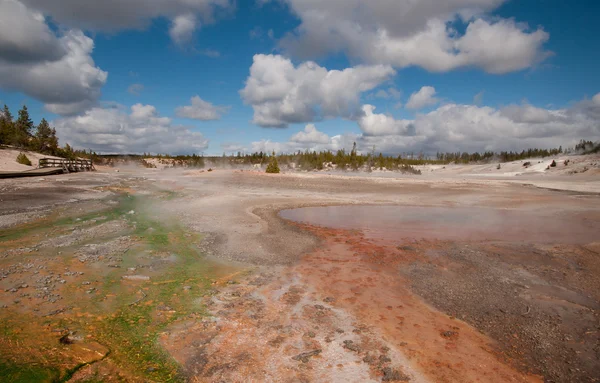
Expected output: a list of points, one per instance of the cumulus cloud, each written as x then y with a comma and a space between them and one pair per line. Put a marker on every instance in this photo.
458, 128
281, 93
381, 124
113, 130
62, 74
183, 28
310, 138
424, 97
115, 15
415, 33
310, 135
201, 110
24, 35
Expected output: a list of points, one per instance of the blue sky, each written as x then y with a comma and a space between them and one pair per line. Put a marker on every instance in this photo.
481, 74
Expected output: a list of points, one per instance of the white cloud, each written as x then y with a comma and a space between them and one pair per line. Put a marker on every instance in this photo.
62, 75
309, 139
381, 124
201, 110
112, 130
135, 89
25, 37
458, 128
415, 33
455, 127
115, 15
424, 97
281, 93
310, 135
183, 28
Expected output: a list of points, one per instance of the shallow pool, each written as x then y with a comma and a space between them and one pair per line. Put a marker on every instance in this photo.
454, 223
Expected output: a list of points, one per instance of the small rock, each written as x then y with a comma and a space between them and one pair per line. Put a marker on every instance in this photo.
304, 357
369, 359
350, 345
329, 300
390, 375
187, 287
85, 283
449, 334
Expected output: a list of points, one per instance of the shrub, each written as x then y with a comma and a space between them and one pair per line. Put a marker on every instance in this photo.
23, 160
553, 164
273, 166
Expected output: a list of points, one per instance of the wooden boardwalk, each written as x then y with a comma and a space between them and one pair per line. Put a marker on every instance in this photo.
67, 165
51, 166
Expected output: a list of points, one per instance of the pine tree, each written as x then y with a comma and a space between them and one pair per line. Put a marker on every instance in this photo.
273, 166
43, 136
23, 127
53, 142
6, 127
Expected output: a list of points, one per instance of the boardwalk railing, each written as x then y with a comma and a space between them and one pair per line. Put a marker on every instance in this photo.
67, 165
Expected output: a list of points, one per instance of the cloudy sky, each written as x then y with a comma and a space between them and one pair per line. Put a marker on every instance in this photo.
214, 76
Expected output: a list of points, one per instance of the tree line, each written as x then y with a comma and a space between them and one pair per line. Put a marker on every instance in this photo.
23, 134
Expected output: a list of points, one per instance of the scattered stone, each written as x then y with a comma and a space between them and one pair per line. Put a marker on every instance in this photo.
86, 283
320, 307
187, 288
68, 339
339, 331
369, 359
305, 356
350, 345
449, 334
390, 375
329, 300
384, 359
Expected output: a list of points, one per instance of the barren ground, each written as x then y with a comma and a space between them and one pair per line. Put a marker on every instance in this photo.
150, 275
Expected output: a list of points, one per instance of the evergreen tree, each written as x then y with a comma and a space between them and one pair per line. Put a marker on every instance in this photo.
43, 137
23, 128
53, 142
6, 127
